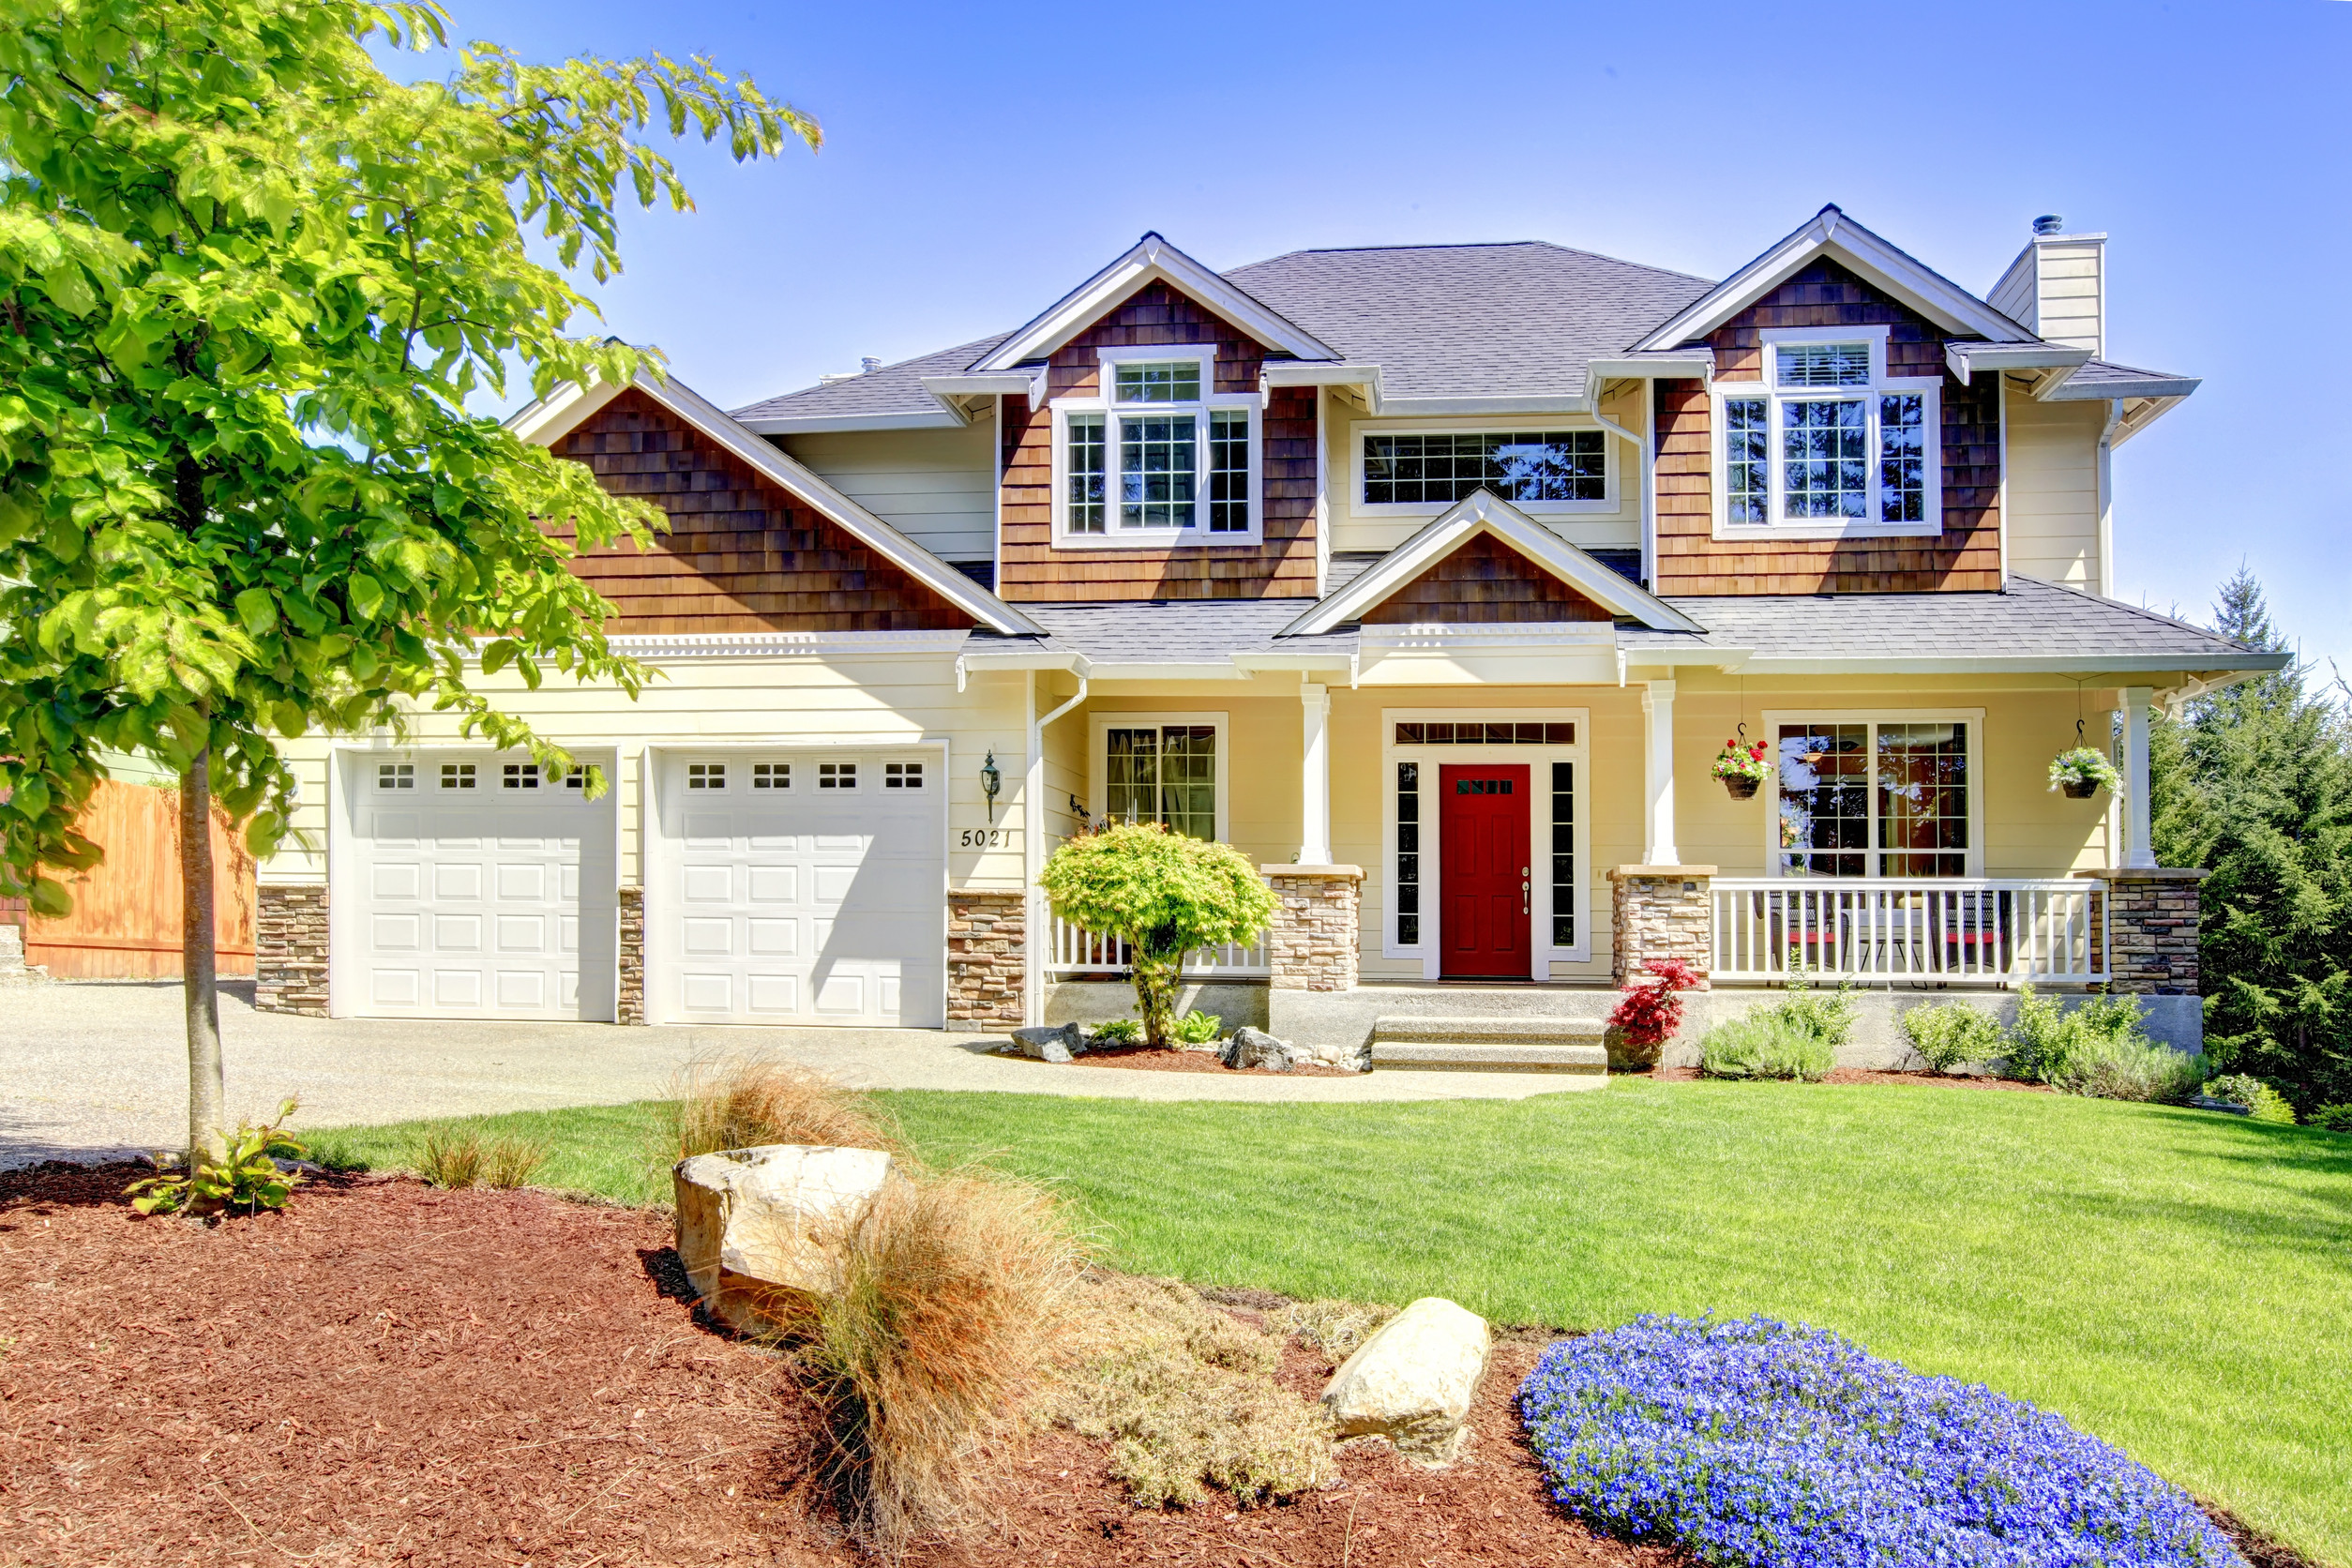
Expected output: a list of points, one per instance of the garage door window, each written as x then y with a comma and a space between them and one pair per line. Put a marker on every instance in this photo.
396, 775
836, 776
522, 775
771, 776
902, 776
457, 775
706, 776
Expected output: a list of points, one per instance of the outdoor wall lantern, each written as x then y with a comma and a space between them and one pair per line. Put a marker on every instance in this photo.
990, 781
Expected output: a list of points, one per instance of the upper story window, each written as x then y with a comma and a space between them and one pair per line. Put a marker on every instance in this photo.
1529, 468
1828, 444
1159, 456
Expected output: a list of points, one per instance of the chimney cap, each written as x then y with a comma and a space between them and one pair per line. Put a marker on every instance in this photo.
869, 364
2049, 223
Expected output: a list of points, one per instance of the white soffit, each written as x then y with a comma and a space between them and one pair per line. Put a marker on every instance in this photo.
1151, 260
1484, 512
1832, 233
556, 415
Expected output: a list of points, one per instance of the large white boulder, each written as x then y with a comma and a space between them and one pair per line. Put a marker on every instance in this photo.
1414, 1381
758, 1227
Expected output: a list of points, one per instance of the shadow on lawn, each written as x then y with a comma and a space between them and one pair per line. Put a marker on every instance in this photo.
2305, 1171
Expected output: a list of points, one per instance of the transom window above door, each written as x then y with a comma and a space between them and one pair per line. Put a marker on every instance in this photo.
1159, 455
1828, 444
1527, 468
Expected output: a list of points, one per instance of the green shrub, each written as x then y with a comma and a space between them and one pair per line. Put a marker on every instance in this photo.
1198, 1028
2262, 1101
1117, 1032
1950, 1034
2047, 1036
2116, 1067
2335, 1119
1769, 1043
1827, 1016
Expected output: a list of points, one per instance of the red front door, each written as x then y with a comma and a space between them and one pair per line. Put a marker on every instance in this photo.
1483, 866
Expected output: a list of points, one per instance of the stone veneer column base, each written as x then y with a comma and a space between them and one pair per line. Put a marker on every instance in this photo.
1660, 911
630, 1000
1316, 926
2153, 917
988, 953
289, 949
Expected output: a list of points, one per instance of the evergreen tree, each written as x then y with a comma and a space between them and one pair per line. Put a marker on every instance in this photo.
2254, 783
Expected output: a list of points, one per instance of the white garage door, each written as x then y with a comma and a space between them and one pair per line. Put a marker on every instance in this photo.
800, 888
487, 890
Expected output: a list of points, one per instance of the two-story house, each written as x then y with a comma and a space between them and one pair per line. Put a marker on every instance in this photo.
1434, 578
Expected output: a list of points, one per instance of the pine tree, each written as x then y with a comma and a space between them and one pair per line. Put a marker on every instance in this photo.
2254, 783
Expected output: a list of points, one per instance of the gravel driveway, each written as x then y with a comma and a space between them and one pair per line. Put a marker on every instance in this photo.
94, 1068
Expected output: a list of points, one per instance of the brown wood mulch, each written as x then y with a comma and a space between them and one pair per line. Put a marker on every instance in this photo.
1165, 1061
1870, 1074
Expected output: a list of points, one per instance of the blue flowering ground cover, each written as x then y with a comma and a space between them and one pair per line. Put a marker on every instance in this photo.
1771, 1445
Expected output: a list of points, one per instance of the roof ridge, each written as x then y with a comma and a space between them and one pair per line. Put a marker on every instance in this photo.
1471, 245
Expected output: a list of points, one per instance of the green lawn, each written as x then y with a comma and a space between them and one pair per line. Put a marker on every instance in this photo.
2178, 1282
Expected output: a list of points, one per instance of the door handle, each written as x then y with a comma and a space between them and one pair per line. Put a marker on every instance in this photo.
1524, 907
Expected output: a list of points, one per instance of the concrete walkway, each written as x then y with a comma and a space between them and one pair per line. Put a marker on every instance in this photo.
89, 1069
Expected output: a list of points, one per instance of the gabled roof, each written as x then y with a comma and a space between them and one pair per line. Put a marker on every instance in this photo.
564, 409
1830, 233
2101, 379
891, 398
1483, 512
1151, 260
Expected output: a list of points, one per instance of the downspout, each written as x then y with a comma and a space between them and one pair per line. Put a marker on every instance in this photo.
1641, 454
2106, 498
1033, 854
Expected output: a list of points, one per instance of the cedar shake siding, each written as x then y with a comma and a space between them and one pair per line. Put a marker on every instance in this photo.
1282, 567
1484, 581
1965, 556
741, 555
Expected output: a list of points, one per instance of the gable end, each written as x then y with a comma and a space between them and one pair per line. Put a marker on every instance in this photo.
1485, 581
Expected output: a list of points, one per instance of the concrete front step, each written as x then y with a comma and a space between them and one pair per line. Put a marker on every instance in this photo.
1510, 1031
1578, 1058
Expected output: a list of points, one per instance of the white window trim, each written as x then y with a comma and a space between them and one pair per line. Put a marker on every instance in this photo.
1611, 503
1098, 755
1973, 718
1429, 950
1768, 389
1115, 537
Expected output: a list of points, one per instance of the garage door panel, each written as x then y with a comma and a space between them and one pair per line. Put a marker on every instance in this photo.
772, 939
709, 884
397, 933
774, 994
841, 994
457, 987
398, 829
395, 987
707, 992
458, 882
774, 885
524, 933
457, 933
708, 936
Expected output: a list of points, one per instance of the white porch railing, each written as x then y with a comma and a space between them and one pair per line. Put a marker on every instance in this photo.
1074, 951
1954, 930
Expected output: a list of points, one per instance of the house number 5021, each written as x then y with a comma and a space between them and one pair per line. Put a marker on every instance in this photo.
984, 837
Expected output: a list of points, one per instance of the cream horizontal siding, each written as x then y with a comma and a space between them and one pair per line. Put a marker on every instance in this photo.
2053, 516
2068, 308
789, 701
935, 486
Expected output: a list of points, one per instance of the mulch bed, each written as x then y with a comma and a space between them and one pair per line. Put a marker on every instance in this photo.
1870, 1075
1165, 1061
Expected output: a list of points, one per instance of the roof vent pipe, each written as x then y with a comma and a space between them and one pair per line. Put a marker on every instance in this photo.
869, 364
2049, 223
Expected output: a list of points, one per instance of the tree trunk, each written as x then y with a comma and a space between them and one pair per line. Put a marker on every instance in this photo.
207, 1139
1157, 978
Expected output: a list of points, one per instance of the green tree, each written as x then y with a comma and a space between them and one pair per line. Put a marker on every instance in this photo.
2255, 784
1164, 894
248, 283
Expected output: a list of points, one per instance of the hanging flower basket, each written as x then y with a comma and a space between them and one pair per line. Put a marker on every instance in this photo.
1742, 768
2083, 772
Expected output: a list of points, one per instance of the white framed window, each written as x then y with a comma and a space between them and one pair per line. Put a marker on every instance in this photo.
771, 776
1165, 768
576, 777
1158, 455
1552, 741
521, 776
396, 775
457, 776
1828, 443
1876, 793
902, 776
706, 776
836, 776
1553, 466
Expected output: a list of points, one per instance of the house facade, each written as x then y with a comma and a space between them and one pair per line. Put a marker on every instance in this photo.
1433, 579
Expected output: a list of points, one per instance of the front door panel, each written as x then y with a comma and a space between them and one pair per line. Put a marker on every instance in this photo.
1483, 846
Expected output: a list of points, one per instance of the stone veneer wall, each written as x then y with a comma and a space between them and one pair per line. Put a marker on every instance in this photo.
987, 950
289, 949
1312, 943
1660, 911
2153, 917
630, 1000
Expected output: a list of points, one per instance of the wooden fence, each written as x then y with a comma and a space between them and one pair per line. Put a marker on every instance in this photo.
126, 919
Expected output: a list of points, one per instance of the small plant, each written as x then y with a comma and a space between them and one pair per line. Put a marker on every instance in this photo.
1743, 767
449, 1159
1829, 1015
1198, 1028
1768, 1043
2261, 1102
2096, 1048
249, 1179
1333, 1329
1649, 1012
2083, 771
1949, 1035
2335, 1117
1117, 1032
729, 1101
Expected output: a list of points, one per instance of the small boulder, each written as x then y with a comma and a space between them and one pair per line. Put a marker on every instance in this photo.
1414, 1381
1051, 1042
1255, 1049
1353, 1058
759, 1225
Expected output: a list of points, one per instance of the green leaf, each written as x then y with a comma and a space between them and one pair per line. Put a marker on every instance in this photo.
49, 899
257, 609
367, 596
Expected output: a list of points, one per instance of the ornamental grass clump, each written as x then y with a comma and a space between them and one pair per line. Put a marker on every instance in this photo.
742, 1100
1769, 1445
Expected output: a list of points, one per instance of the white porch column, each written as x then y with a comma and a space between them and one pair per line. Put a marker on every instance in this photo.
2139, 851
1657, 753
1315, 775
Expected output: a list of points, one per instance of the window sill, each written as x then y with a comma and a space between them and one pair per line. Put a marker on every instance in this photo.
1534, 508
1157, 539
1810, 530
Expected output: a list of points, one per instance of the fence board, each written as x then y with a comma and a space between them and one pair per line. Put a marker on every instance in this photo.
126, 919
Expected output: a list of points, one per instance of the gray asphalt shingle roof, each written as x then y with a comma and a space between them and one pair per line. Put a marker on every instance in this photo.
2100, 378
893, 389
1180, 631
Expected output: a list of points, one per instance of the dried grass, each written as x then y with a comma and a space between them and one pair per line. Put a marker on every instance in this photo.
1185, 1396
739, 1101
462, 1159
1333, 1329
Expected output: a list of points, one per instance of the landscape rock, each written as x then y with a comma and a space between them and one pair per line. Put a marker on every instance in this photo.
1414, 1381
1051, 1042
1253, 1049
1354, 1059
759, 1226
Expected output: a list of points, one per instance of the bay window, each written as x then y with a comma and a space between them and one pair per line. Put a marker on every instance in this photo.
1159, 456
1859, 795
1828, 443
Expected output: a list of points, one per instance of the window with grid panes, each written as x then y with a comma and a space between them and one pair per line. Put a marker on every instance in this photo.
1829, 441
836, 776
1162, 772
1228, 471
457, 775
1407, 854
1564, 855
1084, 468
902, 776
521, 776
396, 775
1873, 799
1158, 468
1166, 453
771, 776
706, 776
1432, 469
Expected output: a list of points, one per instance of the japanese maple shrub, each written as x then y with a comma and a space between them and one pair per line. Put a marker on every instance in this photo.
1649, 1011
1163, 894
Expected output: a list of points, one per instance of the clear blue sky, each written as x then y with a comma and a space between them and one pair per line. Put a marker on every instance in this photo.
982, 158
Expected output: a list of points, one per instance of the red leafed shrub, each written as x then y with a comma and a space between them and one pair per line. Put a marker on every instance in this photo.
1649, 1012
